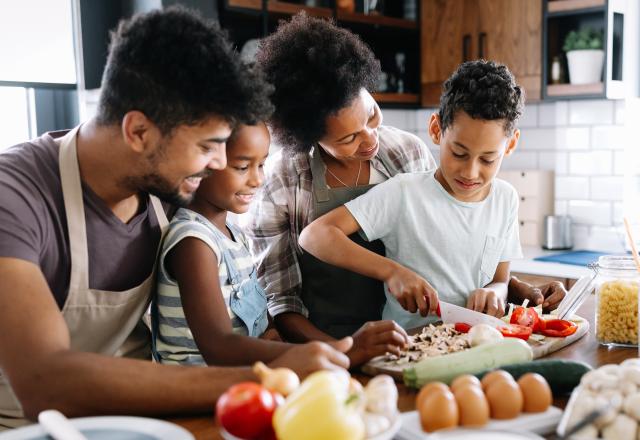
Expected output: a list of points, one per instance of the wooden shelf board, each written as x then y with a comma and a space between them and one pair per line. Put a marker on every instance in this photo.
397, 98
573, 5
377, 19
573, 89
279, 7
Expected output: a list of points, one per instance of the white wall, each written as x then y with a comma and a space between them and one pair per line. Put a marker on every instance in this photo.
583, 141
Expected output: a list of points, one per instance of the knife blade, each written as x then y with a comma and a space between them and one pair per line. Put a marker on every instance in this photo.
451, 314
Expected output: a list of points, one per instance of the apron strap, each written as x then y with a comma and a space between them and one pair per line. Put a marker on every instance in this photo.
74, 210
318, 179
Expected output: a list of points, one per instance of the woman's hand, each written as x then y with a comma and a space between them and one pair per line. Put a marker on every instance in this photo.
412, 291
549, 295
486, 301
376, 338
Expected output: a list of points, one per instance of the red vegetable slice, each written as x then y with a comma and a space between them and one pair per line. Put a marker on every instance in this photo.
558, 328
516, 331
527, 317
462, 327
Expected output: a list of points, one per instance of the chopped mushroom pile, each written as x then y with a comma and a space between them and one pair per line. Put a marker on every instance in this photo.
433, 340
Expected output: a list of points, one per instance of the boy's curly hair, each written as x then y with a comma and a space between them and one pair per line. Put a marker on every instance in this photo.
317, 69
483, 90
177, 68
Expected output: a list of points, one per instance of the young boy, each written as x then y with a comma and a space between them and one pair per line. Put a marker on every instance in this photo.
448, 233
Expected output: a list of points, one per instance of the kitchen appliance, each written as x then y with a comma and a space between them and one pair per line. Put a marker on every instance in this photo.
557, 232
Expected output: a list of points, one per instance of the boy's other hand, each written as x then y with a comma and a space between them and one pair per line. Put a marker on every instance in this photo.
376, 338
307, 358
412, 291
486, 301
549, 295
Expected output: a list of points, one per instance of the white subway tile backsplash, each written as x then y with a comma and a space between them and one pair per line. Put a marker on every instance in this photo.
620, 163
520, 160
554, 161
607, 188
402, 119
553, 114
580, 236
422, 118
574, 138
607, 238
572, 188
591, 163
590, 213
561, 207
618, 213
537, 139
619, 112
529, 117
612, 137
590, 112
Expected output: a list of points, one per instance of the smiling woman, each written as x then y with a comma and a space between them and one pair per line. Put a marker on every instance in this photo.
336, 149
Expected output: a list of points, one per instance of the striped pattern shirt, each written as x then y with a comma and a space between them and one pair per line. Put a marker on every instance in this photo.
285, 206
174, 343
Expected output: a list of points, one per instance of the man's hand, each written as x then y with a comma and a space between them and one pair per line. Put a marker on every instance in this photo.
376, 338
307, 358
412, 291
486, 301
549, 295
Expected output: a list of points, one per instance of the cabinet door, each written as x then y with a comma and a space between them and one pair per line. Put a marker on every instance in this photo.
510, 32
448, 36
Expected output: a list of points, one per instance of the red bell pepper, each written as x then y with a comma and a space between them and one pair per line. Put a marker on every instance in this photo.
558, 328
516, 331
527, 317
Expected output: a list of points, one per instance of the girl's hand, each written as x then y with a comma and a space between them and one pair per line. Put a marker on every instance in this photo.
486, 301
376, 338
412, 291
549, 295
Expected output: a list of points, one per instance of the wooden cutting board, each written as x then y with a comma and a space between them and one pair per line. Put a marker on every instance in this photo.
540, 349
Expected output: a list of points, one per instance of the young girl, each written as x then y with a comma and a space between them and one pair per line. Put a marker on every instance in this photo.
210, 308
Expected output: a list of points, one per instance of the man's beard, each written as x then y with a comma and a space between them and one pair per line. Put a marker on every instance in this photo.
156, 185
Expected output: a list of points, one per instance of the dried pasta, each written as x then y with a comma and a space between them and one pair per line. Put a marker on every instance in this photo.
617, 315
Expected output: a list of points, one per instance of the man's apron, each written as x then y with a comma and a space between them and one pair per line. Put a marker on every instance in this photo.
99, 321
339, 301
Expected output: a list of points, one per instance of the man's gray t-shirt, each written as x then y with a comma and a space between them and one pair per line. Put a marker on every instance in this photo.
456, 246
33, 225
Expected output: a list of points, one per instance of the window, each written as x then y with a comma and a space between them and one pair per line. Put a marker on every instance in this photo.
15, 114
37, 37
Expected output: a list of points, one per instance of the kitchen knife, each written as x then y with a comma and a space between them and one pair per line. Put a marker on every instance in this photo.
451, 314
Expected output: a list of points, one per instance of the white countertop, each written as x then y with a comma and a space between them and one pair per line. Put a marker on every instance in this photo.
543, 268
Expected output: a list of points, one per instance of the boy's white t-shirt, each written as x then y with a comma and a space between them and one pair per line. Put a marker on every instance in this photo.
456, 246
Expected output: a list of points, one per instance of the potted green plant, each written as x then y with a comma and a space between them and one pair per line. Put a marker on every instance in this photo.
585, 56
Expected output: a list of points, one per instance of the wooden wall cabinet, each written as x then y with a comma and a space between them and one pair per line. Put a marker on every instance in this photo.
454, 31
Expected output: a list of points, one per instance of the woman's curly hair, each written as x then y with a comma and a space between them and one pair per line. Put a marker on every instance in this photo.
177, 68
483, 90
317, 69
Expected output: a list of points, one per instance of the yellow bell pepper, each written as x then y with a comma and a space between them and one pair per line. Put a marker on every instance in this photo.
320, 409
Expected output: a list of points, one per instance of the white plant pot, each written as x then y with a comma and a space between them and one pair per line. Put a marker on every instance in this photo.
585, 66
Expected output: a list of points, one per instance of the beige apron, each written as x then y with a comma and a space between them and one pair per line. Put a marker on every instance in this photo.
99, 321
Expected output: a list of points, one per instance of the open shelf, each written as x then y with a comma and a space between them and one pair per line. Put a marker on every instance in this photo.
573, 5
279, 7
558, 90
377, 19
397, 98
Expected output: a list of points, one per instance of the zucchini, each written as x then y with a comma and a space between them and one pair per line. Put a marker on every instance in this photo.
563, 376
447, 367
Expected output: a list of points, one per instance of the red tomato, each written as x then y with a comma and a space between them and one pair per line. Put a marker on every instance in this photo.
527, 317
245, 410
516, 331
558, 328
462, 327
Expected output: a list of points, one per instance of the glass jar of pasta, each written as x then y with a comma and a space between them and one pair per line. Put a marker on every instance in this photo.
616, 289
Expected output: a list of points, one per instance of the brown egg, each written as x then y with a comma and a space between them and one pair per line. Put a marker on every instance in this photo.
536, 392
472, 405
430, 388
505, 399
497, 375
439, 410
465, 379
